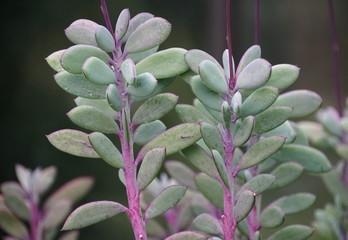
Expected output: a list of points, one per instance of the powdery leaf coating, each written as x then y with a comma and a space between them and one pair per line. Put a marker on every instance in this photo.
254, 74
189, 113
54, 60
226, 63
258, 101
242, 130
221, 167
165, 200
260, 151
211, 189
283, 76
252, 53
146, 132
98, 72
292, 232
93, 119
92, 213
57, 213
187, 235
212, 137
128, 71
155, 108
181, 173
138, 56
106, 149
114, 98
122, 24
175, 139
71, 235
100, 104
144, 85
164, 64
18, 206
195, 56
272, 217
201, 160
244, 204
207, 224
151, 33
135, 22
214, 116
74, 57
295, 203
311, 159
212, 76
258, 184
72, 190
104, 39
78, 85
82, 31
12, 225
150, 166
304, 102
285, 130
286, 173
73, 142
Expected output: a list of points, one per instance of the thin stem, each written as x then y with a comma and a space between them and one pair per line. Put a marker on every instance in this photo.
35, 217
229, 43
257, 22
335, 58
105, 12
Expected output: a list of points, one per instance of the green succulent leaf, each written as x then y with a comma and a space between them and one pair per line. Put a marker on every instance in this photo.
138, 56
252, 53
135, 22
71, 235
295, 203
100, 104
151, 33
122, 24
212, 76
144, 85
214, 116
244, 204
54, 60
189, 113
57, 213
78, 85
12, 188
285, 130
261, 151
195, 57
330, 119
18, 206
242, 130
128, 71
283, 76
292, 232
286, 173
82, 31
104, 39
207, 224
272, 217
164, 64
106, 149
258, 184
114, 98
187, 235
304, 102
254, 74
73, 142
212, 137
45, 179
98, 72
335, 185
211, 189
181, 173
91, 213
221, 167
145, 132
155, 108
166, 200
155, 229
11, 225
150, 166
226, 63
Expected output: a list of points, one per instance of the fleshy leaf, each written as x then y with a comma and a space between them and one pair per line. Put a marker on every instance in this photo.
93, 119
92, 213
303, 102
155, 108
98, 72
175, 139
12, 225
72, 235
226, 63
18, 206
208, 97
258, 184
272, 217
24, 176
292, 232
54, 60
57, 213
100, 104
221, 167
244, 204
128, 71
200, 159
212, 76
143, 85
195, 57
113, 97
311, 159
271, 118
74, 57
78, 85
73, 142
212, 137
135, 22
187, 235
259, 101
181, 173
254, 74
242, 130
106, 149
188, 113
72, 190
155, 229
138, 56
335, 185
285, 130
45, 179
286, 173
82, 31
167, 199
295, 203
122, 24
145, 132
150, 166
104, 39
330, 119
252, 53
207, 224
12, 188
148, 35
164, 64
283, 76
261, 151
211, 189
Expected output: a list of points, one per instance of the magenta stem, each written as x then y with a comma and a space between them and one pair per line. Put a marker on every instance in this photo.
335, 58
257, 22
35, 218
104, 9
232, 81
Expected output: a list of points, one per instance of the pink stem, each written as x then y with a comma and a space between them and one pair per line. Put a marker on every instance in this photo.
232, 81
35, 218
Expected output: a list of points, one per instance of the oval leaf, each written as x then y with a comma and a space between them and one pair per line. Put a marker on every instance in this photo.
128, 71
188, 113
113, 97
82, 31
181, 173
212, 76
283, 76
221, 167
286, 173
12, 225
258, 184
144, 85
211, 189
254, 74
122, 24
207, 224
104, 39
242, 130
212, 137
195, 57
145, 132
92, 213
295, 203
18, 206
54, 60
100, 104
292, 232
187, 235
135, 22
252, 53
244, 204
57, 213
272, 217
98, 72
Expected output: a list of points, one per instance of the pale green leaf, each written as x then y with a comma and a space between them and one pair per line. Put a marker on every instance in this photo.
207, 224
286, 173
272, 217
12, 225
283, 76
114, 98
54, 60
242, 130
252, 53
187, 235
212, 76
295, 203
181, 173
258, 184
71, 235
244, 204
292, 232
188, 113
146, 132
138, 56
254, 74
212, 137
122, 24
104, 39
56, 214
98, 72
82, 31
285, 130
221, 167
144, 85
194, 57
128, 71
211, 189
226, 63
100, 104
18, 206
135, 22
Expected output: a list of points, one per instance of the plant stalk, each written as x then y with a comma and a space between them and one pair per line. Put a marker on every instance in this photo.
36, 233
232, 81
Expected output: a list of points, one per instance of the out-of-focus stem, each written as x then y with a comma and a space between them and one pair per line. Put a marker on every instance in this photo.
232, 81
35, 218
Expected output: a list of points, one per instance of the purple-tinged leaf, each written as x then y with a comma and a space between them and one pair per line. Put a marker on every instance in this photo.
12, 226
187, 235
208, 224
82, 31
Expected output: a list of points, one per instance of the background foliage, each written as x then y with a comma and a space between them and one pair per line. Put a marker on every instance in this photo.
294, 32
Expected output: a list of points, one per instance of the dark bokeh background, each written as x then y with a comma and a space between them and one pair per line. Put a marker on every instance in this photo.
32, 105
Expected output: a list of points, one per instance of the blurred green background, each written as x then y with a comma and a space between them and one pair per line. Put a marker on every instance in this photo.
292, 31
